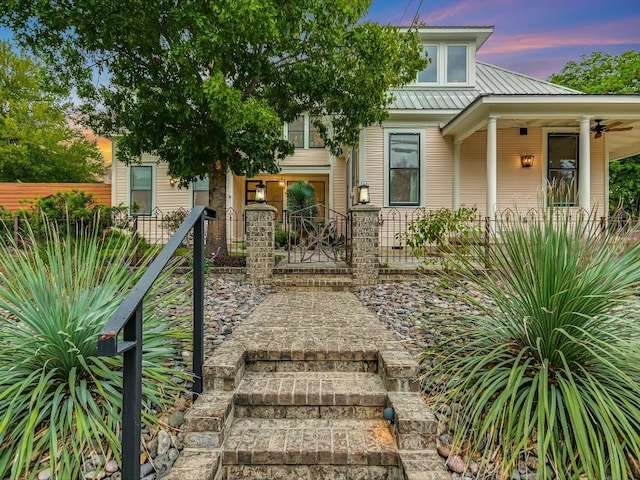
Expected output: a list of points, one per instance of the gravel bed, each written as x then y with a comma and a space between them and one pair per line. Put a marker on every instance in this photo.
418, 312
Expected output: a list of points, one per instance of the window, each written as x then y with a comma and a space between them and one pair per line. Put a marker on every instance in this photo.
315, 140
430, 74
562, 168
141, 193
449, 65
200, 192
456, 64
404, 169
303, 133
296, 132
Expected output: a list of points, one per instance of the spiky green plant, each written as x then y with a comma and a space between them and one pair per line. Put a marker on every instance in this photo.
58, 399
552, 366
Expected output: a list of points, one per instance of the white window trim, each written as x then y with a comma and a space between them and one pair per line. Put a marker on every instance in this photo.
442, 65
154, 187
423, 170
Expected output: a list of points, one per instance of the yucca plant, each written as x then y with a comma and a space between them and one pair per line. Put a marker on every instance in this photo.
551, 367
58, 400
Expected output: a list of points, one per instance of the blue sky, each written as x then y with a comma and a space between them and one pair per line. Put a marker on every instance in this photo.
536, 37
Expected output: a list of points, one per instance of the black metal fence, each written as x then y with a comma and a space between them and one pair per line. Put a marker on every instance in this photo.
154, 229
396, 227
128, 320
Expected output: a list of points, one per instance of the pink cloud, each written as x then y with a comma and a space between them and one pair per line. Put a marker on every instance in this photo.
623, 32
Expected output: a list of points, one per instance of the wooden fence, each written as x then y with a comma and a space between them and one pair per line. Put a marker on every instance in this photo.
15, 196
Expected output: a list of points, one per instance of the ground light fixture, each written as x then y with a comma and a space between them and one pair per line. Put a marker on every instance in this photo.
363, 197
527, 160
261, 192
389, 415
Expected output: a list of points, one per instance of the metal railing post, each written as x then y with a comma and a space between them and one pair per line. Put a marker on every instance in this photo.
198, 305
487, 239
132, 397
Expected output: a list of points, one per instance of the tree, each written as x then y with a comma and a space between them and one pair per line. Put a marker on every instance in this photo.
207, 86
601, 73
36, 142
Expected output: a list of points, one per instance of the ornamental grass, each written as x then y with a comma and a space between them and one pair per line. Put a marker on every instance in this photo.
551, 367
59, 401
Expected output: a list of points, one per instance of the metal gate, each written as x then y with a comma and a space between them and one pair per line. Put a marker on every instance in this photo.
317, 234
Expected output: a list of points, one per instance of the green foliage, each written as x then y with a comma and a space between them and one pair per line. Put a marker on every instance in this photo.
58, 399
552, 366
215, 81
601, 73
284, 238
73, 210
624, 186
441, 228
301, 199
36, 142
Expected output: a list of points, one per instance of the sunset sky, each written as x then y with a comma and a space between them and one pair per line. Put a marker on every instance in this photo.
536, 37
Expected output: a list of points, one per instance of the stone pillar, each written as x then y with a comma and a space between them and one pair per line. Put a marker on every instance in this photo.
260, 220
365, 233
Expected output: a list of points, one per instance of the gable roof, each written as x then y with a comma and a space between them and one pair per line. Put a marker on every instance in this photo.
490, 80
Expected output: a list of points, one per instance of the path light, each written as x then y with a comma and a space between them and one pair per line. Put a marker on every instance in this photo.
389, 415
261, 192
363, 197
527, 160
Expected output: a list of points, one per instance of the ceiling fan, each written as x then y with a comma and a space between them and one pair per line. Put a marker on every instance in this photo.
598, 128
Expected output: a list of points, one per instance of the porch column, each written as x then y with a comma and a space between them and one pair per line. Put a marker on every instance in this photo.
455, 203
492, 166
584, 166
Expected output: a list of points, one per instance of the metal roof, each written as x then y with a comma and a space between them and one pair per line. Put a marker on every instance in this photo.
490, 80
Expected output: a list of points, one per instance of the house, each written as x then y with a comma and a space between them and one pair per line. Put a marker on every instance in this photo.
464, 133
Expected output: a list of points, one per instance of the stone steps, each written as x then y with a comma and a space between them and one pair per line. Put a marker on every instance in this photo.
304, 278
302, 397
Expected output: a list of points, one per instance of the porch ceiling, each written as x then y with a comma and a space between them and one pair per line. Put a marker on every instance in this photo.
552, 111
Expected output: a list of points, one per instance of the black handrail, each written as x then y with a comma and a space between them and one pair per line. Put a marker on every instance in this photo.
128, 318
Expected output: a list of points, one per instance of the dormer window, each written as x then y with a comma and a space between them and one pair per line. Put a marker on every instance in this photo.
456, 64
450, 64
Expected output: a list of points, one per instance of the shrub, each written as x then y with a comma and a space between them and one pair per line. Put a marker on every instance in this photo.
552, 366
440, 228
58, 399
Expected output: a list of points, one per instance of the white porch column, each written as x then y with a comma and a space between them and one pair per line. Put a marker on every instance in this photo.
455, 203
584, 166
492, 166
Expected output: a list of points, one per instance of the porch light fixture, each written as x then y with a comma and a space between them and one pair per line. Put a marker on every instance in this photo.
363, 197
281, 182
261, 192
527, 160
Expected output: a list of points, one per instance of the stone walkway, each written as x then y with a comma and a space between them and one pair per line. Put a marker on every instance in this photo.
298, 390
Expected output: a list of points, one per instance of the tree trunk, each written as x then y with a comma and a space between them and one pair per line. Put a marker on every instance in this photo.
217, 230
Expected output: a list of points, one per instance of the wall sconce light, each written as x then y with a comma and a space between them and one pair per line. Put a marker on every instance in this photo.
363, 197
281, 182
173, 181
261, 192
527, 160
